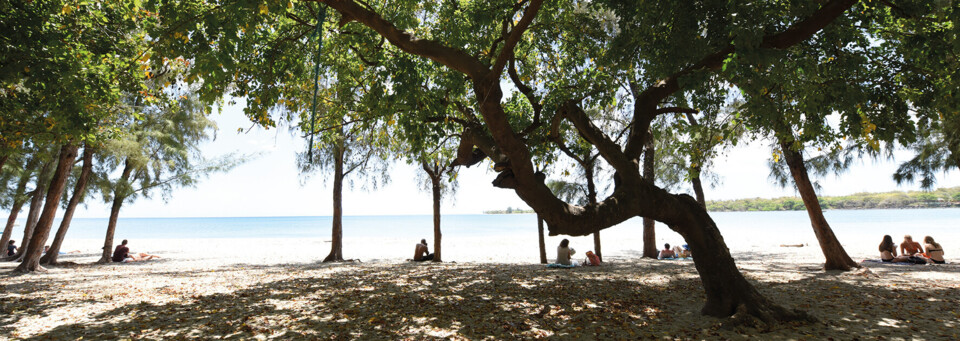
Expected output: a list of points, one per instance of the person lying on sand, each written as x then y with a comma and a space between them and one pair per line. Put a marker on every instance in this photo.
910, 247
46, 248
422, 253
122, 254
667, 252
934, 250
682, 251
564, 252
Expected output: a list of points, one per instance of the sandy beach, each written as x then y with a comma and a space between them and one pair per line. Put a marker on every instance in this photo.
276, 288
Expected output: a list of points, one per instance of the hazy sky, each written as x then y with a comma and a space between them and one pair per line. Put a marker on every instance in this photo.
271, 185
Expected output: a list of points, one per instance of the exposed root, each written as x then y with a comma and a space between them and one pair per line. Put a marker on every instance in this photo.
766, 316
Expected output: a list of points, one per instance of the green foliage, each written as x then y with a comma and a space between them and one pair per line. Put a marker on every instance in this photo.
943, 197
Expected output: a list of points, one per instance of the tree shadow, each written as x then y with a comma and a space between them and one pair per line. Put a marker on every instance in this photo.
481, 301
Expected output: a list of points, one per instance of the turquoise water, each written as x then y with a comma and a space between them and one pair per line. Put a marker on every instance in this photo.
786, 226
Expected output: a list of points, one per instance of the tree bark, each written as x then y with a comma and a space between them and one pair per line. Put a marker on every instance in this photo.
336, 245
836, 256
79, 190
36, 203
592, 199
435, 182
649, 225
31, 261
120, 193
3, 160
543, 245
698, 188
18, 201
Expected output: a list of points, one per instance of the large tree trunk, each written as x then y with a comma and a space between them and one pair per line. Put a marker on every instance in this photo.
836, 256
78, 193
36, 203
31, 261
435, 182
336, 245
728, 292
18, 201
120, 193
543, 245
649, 225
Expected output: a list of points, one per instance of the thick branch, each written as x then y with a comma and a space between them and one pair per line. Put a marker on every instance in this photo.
451, 57
515, 34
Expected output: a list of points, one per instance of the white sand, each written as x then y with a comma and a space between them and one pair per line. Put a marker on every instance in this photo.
247, 288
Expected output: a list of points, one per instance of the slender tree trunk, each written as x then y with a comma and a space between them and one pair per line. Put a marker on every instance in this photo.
435, 181
3, 160
78, 193
120, 193
18, 201
649, 225
698, 188
836, 256
592, 198
36, 203
31, 261
543, 245
336, 245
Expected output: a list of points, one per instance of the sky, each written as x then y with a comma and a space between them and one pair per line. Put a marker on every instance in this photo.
270, 184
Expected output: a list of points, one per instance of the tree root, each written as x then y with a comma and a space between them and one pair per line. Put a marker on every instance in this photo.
766, 316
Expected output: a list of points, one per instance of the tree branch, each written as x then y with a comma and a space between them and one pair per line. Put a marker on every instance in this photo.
451, 57
515, 34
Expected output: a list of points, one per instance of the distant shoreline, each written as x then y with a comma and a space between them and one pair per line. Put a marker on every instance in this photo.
940, 198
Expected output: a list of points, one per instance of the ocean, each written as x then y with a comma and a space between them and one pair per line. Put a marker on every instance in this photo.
789, 227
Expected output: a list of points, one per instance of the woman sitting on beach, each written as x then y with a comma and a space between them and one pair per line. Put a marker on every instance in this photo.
888, 250
564, 252
934, 250
667, 253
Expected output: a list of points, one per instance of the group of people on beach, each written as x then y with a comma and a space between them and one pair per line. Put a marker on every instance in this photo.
565, 255
911, 251
679, 251
12, 249
122, 254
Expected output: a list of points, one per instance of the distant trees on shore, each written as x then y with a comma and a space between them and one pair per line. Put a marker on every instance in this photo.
944, 197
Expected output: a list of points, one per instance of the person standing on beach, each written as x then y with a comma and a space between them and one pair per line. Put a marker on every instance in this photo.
564, 252
910, 247
422, 252
12, 248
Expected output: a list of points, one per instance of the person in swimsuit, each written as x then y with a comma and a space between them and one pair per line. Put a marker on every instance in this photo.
934, 250
888, 250
667, 253
910, 247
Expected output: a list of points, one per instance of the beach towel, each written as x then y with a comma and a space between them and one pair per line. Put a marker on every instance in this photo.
687, 258
882, 262
558, 265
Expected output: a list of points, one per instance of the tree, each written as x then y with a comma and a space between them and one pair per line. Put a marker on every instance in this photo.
438, 186
697, 40
160, 152
33, 248
36, 205
19, 196
79, 190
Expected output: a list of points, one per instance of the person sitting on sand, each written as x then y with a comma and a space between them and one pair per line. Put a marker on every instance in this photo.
564, 252
934, 250
888, 250
592, 259
12, 247
667, 252
422, 253
910, 247
122, 254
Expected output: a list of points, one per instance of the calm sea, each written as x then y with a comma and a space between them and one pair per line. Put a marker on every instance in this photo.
785, 227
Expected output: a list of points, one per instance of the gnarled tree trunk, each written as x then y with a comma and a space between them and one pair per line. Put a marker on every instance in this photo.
336, 245
17, 205
79, 190
31, 260
120, 194
836, 256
